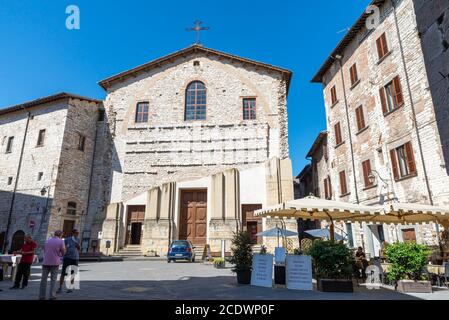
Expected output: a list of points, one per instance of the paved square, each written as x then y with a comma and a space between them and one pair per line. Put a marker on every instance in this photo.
141, 280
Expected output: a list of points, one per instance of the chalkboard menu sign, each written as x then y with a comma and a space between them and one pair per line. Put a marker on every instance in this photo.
262, 274
299, 272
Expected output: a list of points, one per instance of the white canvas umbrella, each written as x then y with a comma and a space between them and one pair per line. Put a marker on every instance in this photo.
277, 232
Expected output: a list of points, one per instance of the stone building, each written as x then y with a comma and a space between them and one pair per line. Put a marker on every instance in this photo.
200, 141
46, 165
386, 99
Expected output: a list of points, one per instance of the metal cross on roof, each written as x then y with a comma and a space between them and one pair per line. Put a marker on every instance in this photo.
198, 28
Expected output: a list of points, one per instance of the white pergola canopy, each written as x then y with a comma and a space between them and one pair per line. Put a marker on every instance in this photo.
320, 209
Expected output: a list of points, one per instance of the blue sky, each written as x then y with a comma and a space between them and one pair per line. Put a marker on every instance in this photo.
39, 56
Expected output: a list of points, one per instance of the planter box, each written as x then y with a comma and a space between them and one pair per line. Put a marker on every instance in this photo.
335, 285
410, 286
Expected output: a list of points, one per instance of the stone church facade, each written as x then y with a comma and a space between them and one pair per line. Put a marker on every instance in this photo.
210, 146
183, 147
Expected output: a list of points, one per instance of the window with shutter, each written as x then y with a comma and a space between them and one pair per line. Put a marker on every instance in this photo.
333, 95
366, 166
353, 74
391, 96
399, 97
343, 186
360, 118
410, 158
382, 46
394, 164
403, 161
338, 137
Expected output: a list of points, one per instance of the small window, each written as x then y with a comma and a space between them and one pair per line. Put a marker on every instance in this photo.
403, 161
333, 95
391, 96
9, 181
9, 145
343, 184
249, 109
39, 176
338, 137
366, 167
382, 46
71, 208
142, 112
196, 63
354, 75
41, 138
360, 118
81, 142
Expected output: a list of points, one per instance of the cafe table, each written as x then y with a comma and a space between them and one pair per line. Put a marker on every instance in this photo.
7, 260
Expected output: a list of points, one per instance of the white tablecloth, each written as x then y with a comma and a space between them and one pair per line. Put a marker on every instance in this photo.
14, 260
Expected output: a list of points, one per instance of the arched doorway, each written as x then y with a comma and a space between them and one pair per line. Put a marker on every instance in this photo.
2, 240
17, 240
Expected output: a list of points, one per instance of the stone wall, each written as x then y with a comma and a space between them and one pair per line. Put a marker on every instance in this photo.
75, 166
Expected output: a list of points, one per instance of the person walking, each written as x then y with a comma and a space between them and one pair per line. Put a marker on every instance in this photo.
24, 267
53, 251
71, 258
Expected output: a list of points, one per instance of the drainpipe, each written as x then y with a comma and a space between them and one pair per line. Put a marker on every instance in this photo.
349, 128
8, 225
418, 137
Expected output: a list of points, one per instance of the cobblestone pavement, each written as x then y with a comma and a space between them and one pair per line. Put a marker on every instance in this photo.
141, 280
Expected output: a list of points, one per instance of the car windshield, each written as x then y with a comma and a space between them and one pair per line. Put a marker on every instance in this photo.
180, 243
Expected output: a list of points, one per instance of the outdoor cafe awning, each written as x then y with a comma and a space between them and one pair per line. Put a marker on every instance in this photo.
409, 213
319, 209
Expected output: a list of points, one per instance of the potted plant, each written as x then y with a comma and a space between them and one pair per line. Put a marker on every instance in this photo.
333, 266
219, 263
242, 257
407, 262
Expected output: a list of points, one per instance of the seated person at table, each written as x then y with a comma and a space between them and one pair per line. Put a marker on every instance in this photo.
361, 262
23, 270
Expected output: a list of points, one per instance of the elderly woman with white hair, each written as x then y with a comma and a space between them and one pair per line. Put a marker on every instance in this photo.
53, 251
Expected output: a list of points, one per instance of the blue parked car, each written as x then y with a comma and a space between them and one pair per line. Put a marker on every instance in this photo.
181, 250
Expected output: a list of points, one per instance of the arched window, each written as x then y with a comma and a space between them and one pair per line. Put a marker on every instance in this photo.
71, 208
195, 101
